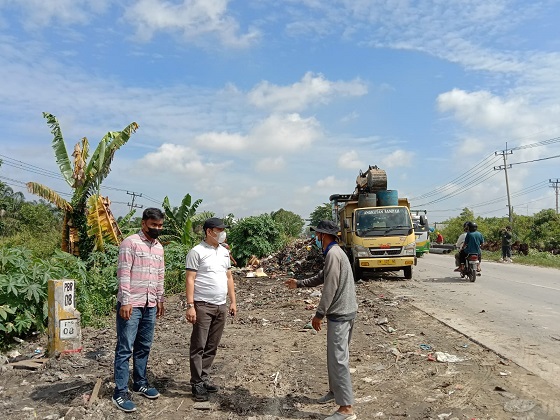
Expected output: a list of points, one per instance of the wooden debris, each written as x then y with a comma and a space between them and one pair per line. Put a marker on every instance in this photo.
33, 364
95, 392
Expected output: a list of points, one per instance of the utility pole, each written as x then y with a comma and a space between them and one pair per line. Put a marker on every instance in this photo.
505, 167
132, 205
556, 185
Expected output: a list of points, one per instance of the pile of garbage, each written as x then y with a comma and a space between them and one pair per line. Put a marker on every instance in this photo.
298, 259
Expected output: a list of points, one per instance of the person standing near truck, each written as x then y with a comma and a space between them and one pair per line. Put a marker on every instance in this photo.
507, 239
338, 304
208, 284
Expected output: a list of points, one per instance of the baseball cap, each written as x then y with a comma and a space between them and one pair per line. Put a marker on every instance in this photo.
214, 222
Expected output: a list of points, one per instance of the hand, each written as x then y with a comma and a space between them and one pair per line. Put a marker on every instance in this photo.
233, 309
316, 323
160, 310
291, 283
125, 312
191, 315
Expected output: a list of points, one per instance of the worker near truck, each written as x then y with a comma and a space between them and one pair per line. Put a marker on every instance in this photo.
339, 305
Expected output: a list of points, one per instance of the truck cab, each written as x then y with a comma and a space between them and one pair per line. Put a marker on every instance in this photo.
376, 238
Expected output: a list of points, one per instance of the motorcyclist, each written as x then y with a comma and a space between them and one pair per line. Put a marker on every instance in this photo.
460, 256
473, 240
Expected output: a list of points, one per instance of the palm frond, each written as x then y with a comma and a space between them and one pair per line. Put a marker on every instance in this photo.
99, 165
101, 223
60, 152
183, 209
50, 195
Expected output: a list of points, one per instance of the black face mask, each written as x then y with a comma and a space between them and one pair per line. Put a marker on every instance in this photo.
153, 233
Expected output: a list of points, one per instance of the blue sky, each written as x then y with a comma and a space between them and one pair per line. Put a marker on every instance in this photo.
257, 105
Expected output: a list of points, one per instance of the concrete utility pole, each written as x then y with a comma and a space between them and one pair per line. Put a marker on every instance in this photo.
505, 167
556, 185
132, 205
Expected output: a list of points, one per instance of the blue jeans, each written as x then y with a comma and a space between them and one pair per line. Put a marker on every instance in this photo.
134, 338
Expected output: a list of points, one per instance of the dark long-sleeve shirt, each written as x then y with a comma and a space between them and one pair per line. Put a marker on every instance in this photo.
338, 299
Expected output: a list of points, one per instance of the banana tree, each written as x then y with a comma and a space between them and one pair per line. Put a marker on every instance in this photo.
179, 221
84, 212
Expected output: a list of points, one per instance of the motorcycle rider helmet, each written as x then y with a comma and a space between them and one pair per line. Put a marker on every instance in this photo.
473, 227
466, 225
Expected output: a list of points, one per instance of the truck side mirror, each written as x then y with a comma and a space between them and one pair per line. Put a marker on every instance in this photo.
422, 220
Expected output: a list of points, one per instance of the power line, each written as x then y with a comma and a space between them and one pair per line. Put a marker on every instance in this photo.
8, 161
475, 170
535, 160
538, 144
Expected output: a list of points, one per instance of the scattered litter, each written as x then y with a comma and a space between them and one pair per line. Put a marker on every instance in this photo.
170, 361
367, 379
316, 293
444, 415
203, 405
382, 321
425, 347
519, 406
505, 373
353, 370
449, 358
308, 326
367, 399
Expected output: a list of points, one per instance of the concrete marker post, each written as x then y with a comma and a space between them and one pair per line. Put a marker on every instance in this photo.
65, 333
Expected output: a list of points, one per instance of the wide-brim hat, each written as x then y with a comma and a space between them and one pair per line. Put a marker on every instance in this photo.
326, 226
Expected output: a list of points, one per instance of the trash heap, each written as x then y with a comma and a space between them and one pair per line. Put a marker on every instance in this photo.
298, 259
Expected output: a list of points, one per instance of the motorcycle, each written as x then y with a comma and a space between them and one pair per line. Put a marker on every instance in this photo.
469, 269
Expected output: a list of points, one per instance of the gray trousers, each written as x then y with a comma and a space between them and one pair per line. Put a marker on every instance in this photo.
338, 360
205, 338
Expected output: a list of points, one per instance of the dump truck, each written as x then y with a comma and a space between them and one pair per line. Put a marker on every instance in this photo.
376, 229
422, 231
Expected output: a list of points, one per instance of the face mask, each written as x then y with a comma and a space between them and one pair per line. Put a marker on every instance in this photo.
318, 242
221, 237
153, 233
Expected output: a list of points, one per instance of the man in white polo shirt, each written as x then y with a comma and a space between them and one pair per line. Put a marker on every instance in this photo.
209, 282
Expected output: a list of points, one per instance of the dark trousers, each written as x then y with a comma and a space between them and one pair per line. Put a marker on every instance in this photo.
205, 338
506, 251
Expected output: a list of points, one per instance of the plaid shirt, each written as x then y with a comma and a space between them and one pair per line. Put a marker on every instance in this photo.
140, 271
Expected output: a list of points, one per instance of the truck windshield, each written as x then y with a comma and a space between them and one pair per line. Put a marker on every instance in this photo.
386, 221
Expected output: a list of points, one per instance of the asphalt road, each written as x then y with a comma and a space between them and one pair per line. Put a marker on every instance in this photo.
511, 309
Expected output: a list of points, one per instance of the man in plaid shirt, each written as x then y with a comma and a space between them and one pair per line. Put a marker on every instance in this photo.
140, 272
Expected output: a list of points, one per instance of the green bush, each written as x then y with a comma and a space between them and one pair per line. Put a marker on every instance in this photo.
256, 235
24, 287
175, 254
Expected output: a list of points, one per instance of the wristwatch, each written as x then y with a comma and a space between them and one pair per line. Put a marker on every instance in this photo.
190, 305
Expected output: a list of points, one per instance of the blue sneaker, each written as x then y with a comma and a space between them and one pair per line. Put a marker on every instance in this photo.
146, 391
124, 404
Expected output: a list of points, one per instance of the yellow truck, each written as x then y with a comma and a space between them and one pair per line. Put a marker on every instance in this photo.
376, 229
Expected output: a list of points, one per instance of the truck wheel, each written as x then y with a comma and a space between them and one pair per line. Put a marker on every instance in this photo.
356, 270
408, 272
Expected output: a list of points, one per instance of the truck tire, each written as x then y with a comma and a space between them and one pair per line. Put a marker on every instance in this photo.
408, 272
356, 270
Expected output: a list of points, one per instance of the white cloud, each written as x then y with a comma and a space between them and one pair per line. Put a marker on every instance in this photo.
180, 160
41, 13
276, 133
483, 110
312, 89
397, 159
270, 164
195, 20
329, 182
350, 160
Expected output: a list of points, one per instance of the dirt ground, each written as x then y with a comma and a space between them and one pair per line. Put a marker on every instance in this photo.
270, 366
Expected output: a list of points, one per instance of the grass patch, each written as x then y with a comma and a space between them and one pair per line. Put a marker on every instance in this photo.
536, 258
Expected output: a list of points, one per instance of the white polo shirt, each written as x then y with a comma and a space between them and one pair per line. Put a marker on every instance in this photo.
211, 266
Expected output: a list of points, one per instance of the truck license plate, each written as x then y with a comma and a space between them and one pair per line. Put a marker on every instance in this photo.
387, 262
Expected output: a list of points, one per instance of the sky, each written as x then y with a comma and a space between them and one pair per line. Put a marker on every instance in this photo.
257, 105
